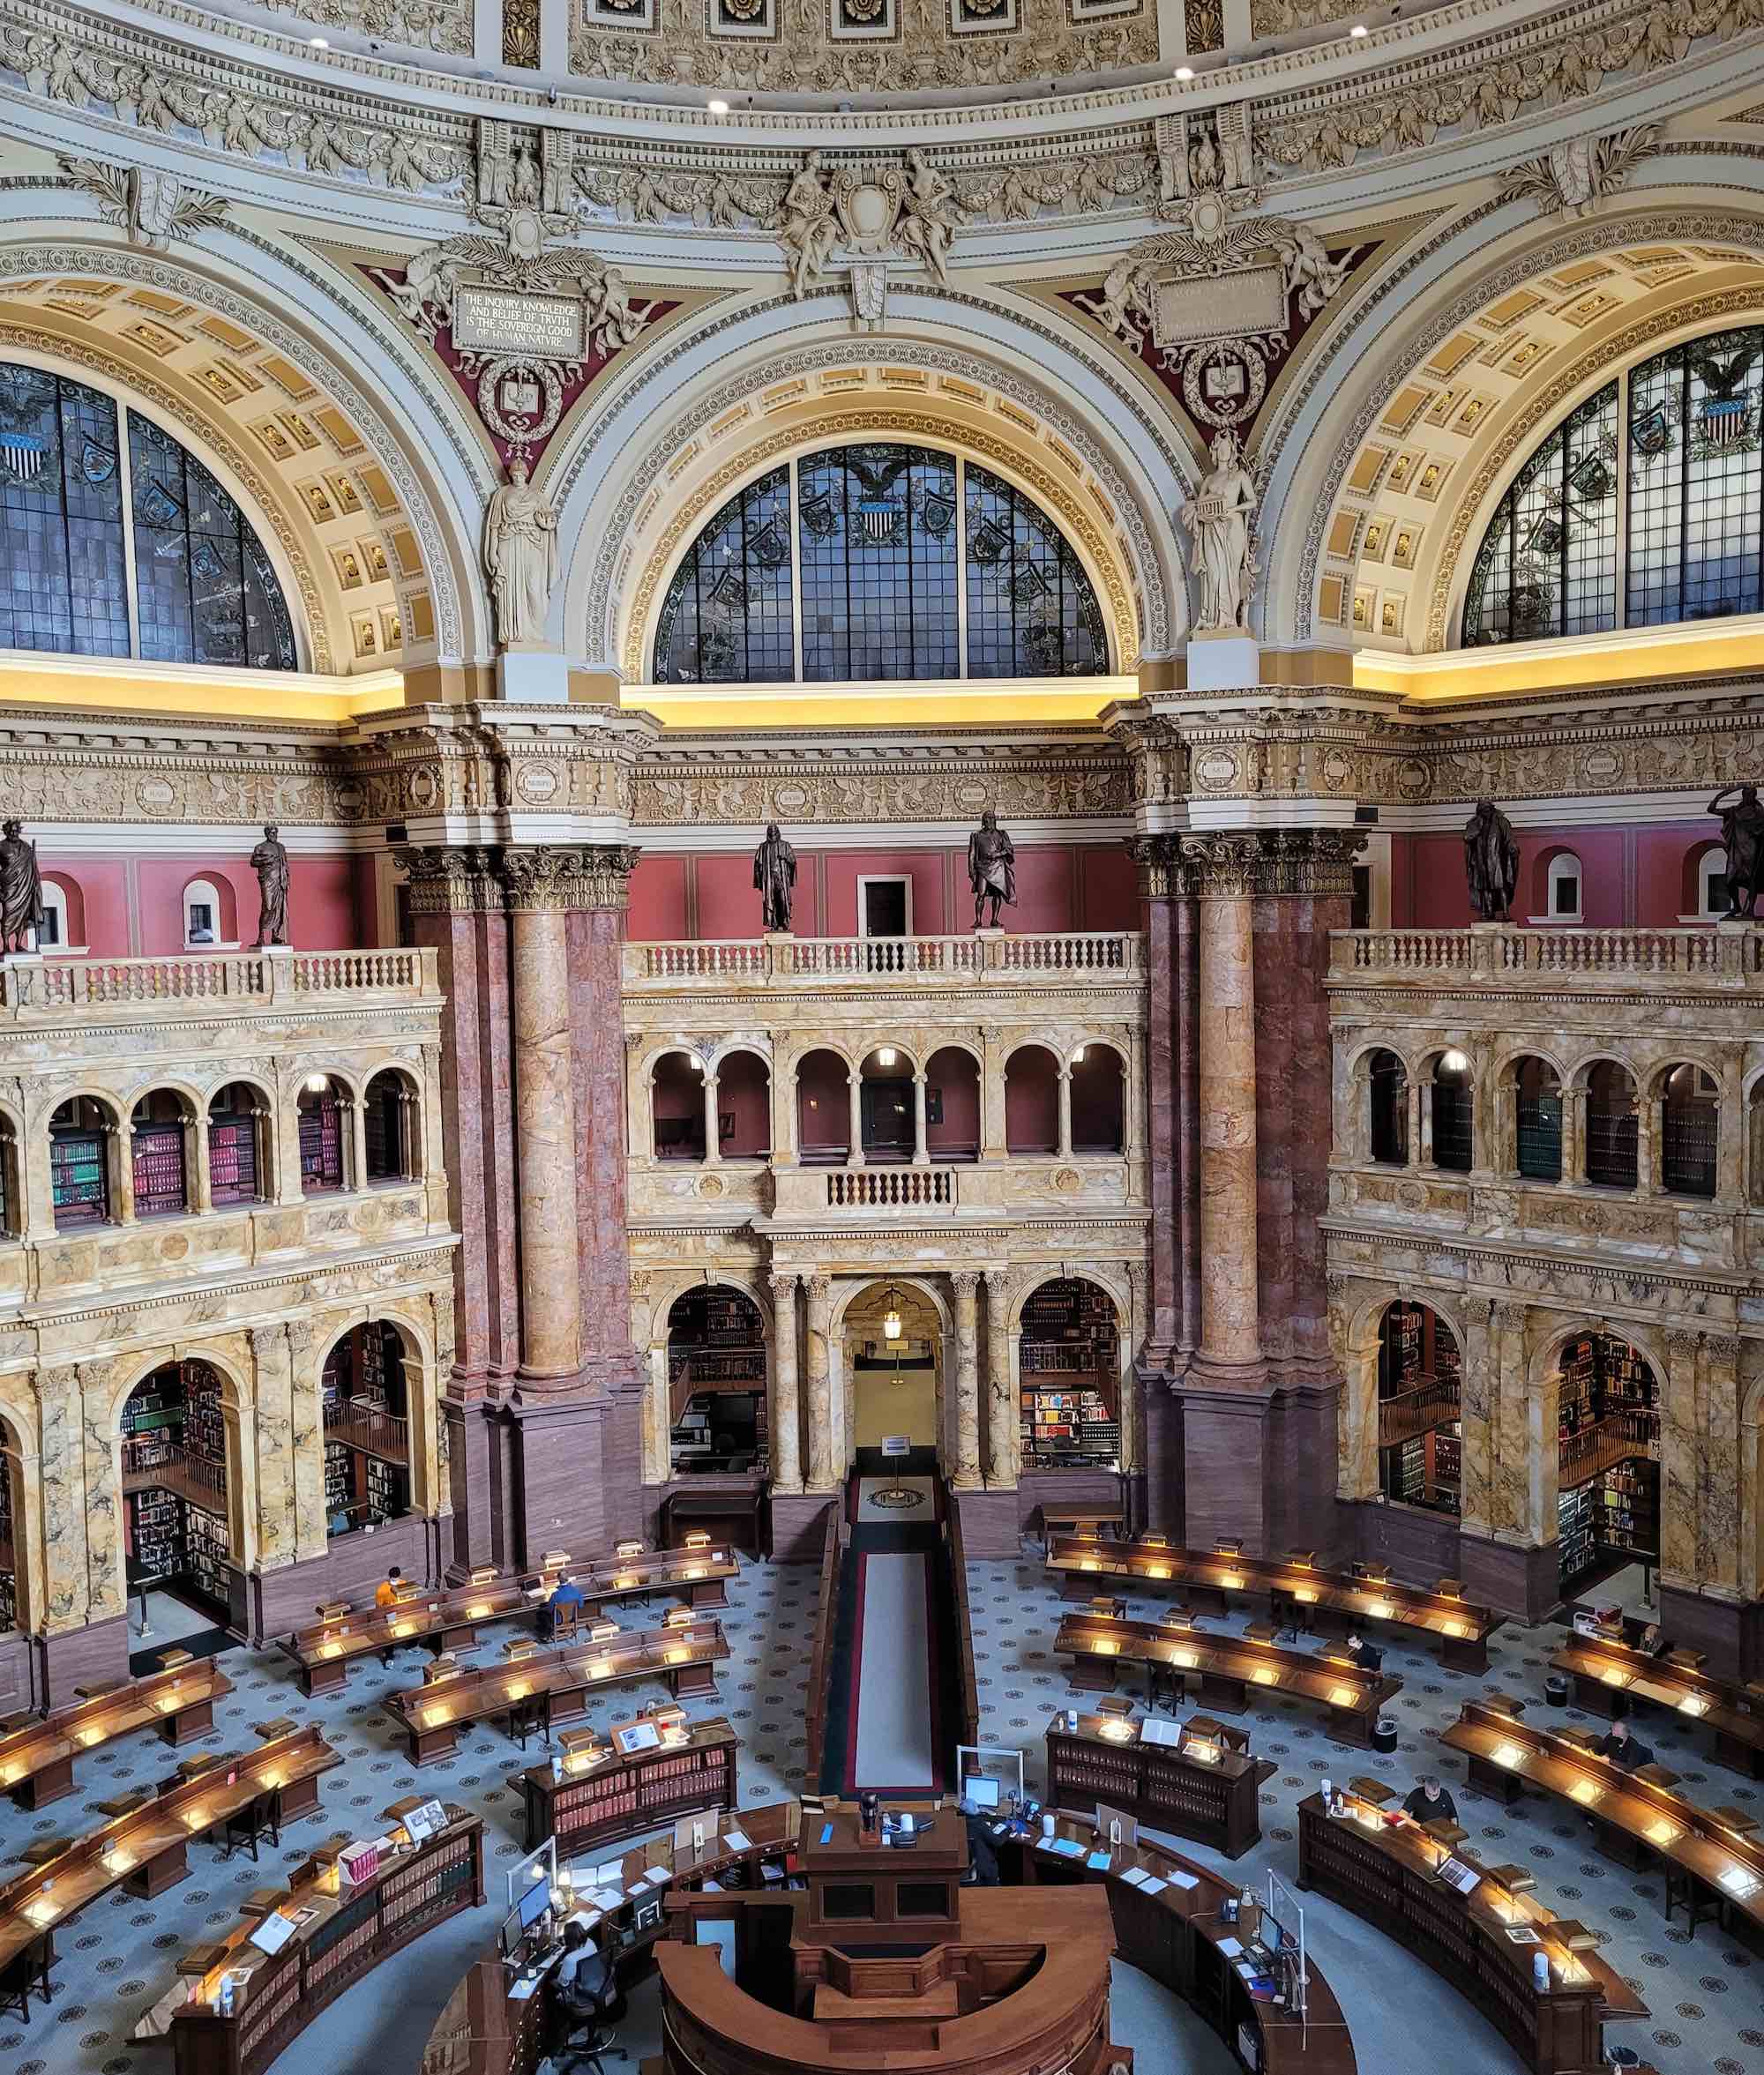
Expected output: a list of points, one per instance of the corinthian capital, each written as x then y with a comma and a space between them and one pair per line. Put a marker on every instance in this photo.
449, 879
569, 876
1221, 868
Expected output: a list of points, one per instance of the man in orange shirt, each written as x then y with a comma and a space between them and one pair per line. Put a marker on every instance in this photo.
385, 1594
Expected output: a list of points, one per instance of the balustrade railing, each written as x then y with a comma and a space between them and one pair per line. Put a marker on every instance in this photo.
1723, 957
1433, 1404
32, 988
889, 1188
367, 1426
1600, 1447
1114, 956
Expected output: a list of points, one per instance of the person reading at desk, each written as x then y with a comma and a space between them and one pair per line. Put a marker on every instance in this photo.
1622, 1749
1428, 1802
1366, 1655
385, 1594
563, 1609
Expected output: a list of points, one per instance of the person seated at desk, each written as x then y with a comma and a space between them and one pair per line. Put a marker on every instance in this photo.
1430, 1802
1622, 1749
563, 1609
1366, 1655
983, 1855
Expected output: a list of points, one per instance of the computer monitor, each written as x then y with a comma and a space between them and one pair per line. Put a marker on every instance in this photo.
533, 1904
511, 1933
979, 1792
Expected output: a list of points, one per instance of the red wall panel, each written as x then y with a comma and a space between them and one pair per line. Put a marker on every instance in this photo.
924, 868
729, 902
103, 888
957, 1075
1630, 877
658, 901
1108, 888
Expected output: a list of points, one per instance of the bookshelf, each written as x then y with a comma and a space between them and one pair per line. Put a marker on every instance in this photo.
1575, 1512
388, 1487
1628, 1516
339, 1477
321, 1141
78, 1190
1067, 1407
233, 1158
366, 1456
158, 1169
9, 1598
175, 1455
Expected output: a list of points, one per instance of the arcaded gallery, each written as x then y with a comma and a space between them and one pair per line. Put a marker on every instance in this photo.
881, 1037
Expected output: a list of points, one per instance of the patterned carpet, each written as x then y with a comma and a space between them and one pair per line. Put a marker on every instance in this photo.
1705, 1994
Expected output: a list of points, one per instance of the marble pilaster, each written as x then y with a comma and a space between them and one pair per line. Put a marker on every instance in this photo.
657, 1418
787, 1411
1357, 1408
1720, 1519
1510, 1499
1681, 1456
271, 1440
966, 1283
1477, 1497
1002, 1420
306, 1422
818, 1382
1225, 871
61, 1478
102, 1491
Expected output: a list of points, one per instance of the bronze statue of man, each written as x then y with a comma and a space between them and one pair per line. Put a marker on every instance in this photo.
991, 868
1491, 862
1742, 836
22, 889
269, 861
774, 874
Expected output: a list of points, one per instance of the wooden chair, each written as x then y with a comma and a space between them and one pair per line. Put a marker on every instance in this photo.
260, 1818
26, 1970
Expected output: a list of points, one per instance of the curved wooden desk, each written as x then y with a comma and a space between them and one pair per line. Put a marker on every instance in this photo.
1387, 1876
606, 1795
1203, 1785
36, 1760
1611, 1677
343, 1932
1173, 1933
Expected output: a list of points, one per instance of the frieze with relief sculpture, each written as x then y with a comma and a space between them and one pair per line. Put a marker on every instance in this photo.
150, 207
1572, 178
856, 219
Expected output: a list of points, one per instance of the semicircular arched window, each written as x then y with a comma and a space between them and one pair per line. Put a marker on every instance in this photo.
119, 542
1674, 444
879, 563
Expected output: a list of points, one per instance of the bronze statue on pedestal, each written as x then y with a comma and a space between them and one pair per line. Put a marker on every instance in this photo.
991, 868
1491, 862
1742, 835
774, 875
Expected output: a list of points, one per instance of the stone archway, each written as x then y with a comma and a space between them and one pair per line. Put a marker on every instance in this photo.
894, 1381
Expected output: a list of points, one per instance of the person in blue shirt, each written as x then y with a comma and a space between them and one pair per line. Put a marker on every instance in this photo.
564, 1606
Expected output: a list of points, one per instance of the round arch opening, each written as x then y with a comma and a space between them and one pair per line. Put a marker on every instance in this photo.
366, 1385
1070, 1364
1420, 1383
716, 1382
894, 1352
177, 1535
1608, 1490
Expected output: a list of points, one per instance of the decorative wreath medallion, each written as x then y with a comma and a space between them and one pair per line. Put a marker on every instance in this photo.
898, 1498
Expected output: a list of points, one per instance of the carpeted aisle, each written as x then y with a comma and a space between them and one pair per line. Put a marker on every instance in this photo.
892, 1747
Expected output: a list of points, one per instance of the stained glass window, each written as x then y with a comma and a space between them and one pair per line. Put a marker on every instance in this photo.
1031, 612
1674, 444
1548, 563
727, 615
204, 590
882, 535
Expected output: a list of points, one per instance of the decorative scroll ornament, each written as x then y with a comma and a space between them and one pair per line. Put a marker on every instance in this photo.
857, 217
520, 318
1574, 176
151, 208
1217, 298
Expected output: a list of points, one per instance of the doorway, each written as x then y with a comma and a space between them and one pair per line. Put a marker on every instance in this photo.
893, 1345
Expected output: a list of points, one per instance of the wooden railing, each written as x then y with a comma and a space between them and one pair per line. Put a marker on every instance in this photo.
367, 1426
1112, 956
1727, 958
1600, 1447
1430, 1405
836, 1537
245, 979
968, 1689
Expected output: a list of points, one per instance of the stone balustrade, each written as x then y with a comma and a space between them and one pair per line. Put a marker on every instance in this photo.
1112, 957
1730, 958
34, 989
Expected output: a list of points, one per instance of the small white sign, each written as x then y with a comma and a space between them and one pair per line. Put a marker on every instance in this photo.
897, 1444
274, 1932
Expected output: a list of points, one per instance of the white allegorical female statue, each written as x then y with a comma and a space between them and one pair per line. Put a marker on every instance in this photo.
521, 557
1218, 519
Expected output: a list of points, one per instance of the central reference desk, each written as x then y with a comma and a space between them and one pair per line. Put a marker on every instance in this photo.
338, 1932
36, 1758
1483, 1940
1330, 1602
1228, 1667
1195, 1784
1609, 1677
1712, 1860
553, 1685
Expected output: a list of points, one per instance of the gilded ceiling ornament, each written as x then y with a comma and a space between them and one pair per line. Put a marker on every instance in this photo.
1574, 177
153, 208
1217, 298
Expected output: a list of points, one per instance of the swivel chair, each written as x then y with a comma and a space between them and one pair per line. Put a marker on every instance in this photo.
590, 2013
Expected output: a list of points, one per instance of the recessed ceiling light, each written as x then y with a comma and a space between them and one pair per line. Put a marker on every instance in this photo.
320, 43
1359, 29
717, 107
1184, 71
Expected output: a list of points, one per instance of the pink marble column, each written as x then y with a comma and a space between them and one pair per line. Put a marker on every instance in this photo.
1278, 1009
457, 908
1225, 870
1157, 878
